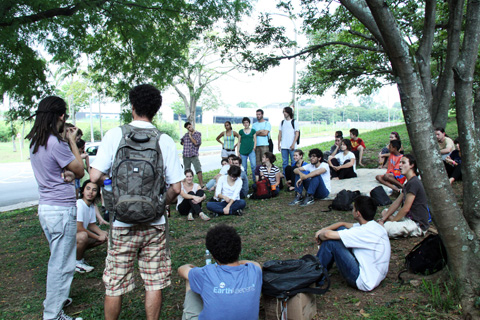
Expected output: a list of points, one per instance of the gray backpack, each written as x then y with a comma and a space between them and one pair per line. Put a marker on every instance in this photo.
138, 180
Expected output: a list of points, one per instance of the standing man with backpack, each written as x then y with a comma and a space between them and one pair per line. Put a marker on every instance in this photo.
139, 226
262, 128
288, 135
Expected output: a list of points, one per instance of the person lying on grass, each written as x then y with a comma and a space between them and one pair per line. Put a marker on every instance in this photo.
360, 250
408, 216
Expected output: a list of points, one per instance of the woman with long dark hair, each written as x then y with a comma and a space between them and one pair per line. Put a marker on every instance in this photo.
190, 199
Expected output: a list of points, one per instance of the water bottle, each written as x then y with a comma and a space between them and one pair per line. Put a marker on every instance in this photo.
208, 257
107, 185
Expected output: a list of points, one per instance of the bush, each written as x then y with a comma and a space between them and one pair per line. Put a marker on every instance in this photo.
5, 133
96, 134
169, 128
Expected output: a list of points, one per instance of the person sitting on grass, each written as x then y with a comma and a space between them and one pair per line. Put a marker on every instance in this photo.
190, 199
385, 153
230, 288
210, 186
89, 235
227, 194
453, 164
445, 143
394, 179
342, 165
316, 182
269, 171
408, 215
289, 175
237, 161
358, 146
360, 250
336, 147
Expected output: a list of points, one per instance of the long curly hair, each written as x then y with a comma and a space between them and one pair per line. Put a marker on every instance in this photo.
46, 118
224, 243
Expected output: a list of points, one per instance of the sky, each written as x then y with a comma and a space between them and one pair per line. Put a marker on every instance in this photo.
274, 86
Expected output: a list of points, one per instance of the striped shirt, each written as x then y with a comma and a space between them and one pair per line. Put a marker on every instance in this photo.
270, 175
229, 141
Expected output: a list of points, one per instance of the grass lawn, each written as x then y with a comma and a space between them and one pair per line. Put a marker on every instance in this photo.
270, 229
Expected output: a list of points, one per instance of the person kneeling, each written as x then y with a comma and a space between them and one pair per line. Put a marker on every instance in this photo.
89, 235
361, 250
229, 289
227, 194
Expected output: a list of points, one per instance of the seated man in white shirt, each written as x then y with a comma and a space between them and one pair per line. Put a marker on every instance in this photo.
314, 178
89, 235
361, 251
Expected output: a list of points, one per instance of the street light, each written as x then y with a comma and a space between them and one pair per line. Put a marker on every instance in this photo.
294, 85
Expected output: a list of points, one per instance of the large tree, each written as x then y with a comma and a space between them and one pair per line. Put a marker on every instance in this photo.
125, 42
430, 50
204, 66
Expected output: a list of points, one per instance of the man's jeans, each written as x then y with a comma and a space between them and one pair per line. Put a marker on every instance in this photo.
314, 186
60, 227
218, 207
244, 191
347, 264
253, 161
285, 154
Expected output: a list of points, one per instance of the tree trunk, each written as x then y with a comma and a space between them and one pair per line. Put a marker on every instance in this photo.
459, 239
14, 145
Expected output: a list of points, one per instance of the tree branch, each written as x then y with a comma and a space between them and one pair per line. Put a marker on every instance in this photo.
51, 13
314, 48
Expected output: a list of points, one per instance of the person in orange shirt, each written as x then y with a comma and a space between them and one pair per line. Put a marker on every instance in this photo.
394, 178
358, 146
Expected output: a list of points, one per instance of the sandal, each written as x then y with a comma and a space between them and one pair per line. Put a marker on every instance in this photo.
190, 217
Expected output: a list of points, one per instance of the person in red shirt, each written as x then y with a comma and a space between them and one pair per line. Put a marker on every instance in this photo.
394, 178
357, 145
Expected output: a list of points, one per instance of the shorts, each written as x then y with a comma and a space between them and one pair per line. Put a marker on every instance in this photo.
188, 161
154, 264
226, 153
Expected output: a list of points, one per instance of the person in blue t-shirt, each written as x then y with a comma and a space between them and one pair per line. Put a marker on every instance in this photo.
228, 289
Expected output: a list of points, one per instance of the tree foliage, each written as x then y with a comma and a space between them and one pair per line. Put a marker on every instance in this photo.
126, 42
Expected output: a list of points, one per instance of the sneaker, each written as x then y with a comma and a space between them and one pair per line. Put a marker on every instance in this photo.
190, 216
307, 201
83, 267
203, 216
239, 212
298, 198
63, 316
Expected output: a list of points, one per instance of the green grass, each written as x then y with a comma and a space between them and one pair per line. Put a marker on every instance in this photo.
270, 229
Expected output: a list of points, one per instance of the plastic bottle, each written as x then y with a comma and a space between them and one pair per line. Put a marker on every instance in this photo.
107, 185
208, 257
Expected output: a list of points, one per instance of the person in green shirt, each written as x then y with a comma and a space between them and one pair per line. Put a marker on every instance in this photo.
247, 144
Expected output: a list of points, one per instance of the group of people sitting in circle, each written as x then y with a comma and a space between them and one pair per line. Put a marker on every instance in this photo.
407, 216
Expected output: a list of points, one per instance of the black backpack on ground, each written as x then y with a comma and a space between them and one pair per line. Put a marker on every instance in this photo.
343, 200
283, 279
380, 196
427, 257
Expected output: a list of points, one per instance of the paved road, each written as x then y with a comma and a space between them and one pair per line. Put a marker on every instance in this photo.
18, 187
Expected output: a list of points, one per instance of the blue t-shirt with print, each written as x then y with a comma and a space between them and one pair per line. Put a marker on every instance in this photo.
228, 292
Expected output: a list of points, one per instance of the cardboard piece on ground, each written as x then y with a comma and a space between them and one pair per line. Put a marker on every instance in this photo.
302, 306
